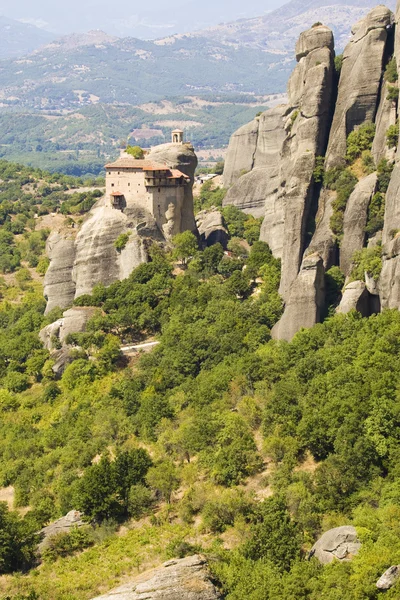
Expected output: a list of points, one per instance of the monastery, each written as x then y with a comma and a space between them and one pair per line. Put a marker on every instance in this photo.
152, 186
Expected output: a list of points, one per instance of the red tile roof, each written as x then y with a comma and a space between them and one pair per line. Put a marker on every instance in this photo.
136, 163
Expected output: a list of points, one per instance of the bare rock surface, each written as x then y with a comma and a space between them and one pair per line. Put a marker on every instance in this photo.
59, 288
310, 92
355, 220
63, 525
355, 297
389, 280
241, 152
323, 241
389, 578
182, 157
306, 300
212, 228
180, 579
253, 190
385, 117
340, 543
360, 80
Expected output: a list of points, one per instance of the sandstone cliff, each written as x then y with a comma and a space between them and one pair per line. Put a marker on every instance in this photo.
79, 260
323, 109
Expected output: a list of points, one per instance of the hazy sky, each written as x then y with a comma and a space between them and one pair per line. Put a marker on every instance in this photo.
132, 17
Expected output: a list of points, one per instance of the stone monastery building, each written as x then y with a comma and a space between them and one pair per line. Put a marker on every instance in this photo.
142, 183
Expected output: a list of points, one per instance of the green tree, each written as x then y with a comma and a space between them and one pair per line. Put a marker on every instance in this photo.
135, 151
185, 247
163, 478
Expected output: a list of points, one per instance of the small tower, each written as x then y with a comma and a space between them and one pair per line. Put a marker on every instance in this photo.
177, 136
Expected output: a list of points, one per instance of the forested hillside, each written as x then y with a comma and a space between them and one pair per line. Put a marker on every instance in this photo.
220, 440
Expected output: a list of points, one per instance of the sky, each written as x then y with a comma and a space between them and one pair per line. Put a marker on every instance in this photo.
153, 19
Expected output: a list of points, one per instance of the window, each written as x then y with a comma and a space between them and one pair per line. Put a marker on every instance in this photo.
112, 185
159, 190
129, 184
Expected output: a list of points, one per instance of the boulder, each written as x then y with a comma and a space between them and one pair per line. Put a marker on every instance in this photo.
241, 152
355, 220
318, 36
63, 525
340, 543
360, 80
389, 578
355, 297
49, 333
212, 228
306, 300
184, 579
75, 320
62, 358
59, 287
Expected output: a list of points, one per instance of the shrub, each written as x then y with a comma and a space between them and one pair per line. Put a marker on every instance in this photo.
319, 169
367, 260
140, 500
343, 182
367, 162
121, 241
392, 135
376, 213
135, 151
359, 140
65, 543
391, 74
385, 169
393, 93
338, 63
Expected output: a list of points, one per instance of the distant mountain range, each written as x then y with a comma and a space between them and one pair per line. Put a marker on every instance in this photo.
239, 63
17, 39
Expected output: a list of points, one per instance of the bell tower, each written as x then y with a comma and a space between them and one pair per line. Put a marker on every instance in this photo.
177, 136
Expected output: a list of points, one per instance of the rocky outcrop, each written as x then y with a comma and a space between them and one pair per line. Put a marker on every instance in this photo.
360, 80
306, 300
96, 258
385, 117
310, 92
78, 261
324, 241
389, 280
355, 221
182, 157
241, 152
355, 297
341, 543
63, 525
184, 579
253, 191
59, 288
389, 578
212, 228
73, 320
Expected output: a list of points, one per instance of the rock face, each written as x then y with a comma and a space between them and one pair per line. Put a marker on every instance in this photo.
63, 525
355, 297
258, 186
389, 280
59, 289
212, 228
360, 80
389, 578
355, 220
310, 92
184, 579
182, 157
78, 261
306, 300
321, 112
340, 543
241, 152
386, 116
